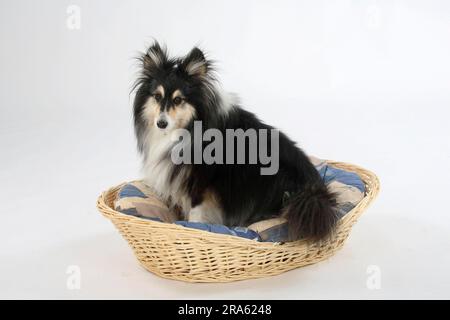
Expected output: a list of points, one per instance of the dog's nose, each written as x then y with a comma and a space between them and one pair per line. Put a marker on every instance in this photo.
162, 124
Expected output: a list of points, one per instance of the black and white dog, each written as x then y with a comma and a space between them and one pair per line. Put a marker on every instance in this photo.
175, 93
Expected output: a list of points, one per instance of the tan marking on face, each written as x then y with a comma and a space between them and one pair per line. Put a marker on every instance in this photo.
177, 93
160, 90
151, 110
182, 114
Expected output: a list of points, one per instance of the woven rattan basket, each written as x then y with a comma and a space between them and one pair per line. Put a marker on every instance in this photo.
192, 255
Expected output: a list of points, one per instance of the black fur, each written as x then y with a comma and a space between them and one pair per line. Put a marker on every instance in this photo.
245, 195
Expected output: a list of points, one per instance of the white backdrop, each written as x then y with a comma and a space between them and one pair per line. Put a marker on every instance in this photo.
374, 76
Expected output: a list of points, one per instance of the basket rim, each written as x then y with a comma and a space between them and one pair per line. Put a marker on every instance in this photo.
370, 180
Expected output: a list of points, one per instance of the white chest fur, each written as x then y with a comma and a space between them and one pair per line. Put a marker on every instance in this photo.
157, 170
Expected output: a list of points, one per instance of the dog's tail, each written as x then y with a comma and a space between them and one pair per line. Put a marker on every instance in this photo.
311, 212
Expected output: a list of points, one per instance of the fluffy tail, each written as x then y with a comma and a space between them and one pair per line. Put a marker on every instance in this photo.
311, 213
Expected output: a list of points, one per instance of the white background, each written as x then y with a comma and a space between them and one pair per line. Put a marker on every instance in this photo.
365, 82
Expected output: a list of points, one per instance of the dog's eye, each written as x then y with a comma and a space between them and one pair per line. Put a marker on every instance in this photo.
177, 101
157, 97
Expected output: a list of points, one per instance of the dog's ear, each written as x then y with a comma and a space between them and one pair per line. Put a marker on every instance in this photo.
154, 59
195, 63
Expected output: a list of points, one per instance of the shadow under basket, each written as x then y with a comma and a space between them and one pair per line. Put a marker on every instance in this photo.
192, 255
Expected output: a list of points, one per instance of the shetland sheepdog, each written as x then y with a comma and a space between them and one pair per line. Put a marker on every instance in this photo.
175, 93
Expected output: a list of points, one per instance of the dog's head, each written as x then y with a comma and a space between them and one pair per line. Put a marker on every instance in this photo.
171, 92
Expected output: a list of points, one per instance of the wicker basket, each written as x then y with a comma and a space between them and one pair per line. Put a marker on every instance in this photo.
192, 255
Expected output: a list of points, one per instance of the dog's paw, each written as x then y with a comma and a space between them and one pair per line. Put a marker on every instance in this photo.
205, 214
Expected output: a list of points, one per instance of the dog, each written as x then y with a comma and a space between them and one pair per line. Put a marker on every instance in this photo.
173, 93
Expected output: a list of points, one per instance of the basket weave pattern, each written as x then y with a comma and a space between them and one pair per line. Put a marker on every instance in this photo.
192, 255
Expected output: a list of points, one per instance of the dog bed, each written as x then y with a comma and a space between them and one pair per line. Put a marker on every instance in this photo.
137, 199
199, 252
